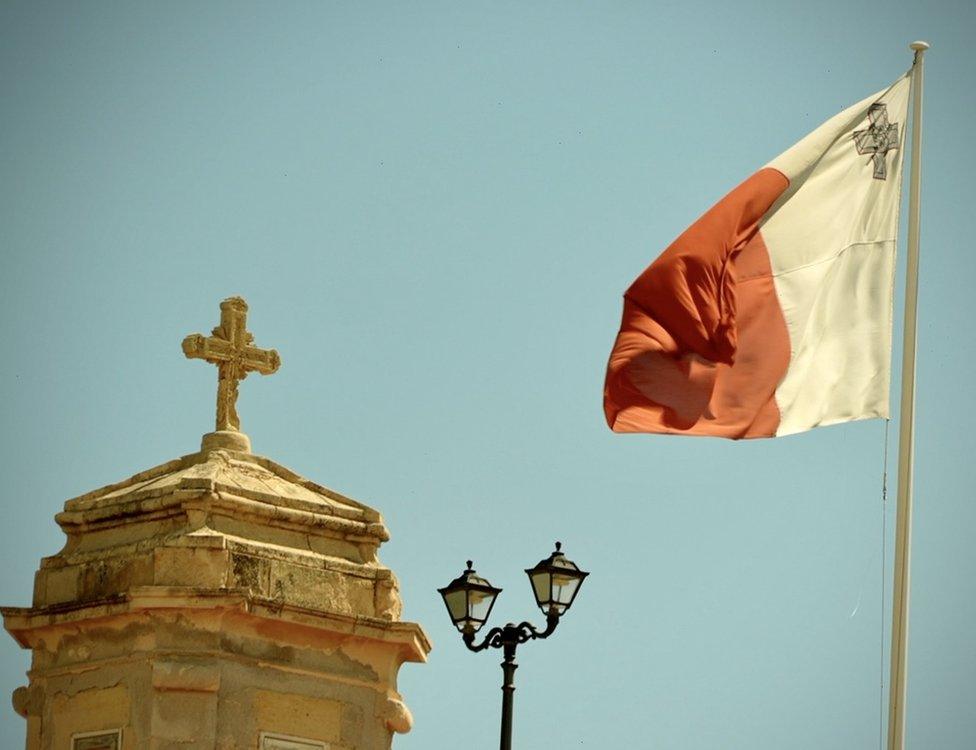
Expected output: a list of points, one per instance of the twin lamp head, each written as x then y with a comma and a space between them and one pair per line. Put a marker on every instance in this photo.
555, 583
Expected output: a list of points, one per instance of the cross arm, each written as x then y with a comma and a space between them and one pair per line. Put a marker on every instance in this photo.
212, 349
264, 361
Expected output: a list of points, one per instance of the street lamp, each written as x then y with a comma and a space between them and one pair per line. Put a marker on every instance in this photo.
469, 599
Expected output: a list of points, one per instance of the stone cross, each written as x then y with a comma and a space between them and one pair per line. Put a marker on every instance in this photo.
230, 348
878, 139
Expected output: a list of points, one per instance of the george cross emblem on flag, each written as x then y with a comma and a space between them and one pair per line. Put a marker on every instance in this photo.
877, 139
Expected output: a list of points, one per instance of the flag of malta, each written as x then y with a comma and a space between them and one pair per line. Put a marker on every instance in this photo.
772, 313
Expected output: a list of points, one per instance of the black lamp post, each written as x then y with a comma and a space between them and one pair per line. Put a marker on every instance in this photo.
469, 599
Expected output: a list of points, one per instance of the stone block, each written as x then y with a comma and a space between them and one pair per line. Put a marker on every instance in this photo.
298, 715
249, 572
113, 575
322, 589
88, 711
60, 584
185, 717
186, 676
185, 566
336, 547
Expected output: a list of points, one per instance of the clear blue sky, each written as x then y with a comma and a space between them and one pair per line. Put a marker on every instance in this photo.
433, 209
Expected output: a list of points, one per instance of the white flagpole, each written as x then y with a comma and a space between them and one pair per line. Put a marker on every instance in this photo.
906, 438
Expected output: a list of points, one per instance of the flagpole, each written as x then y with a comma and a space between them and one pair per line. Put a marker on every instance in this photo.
906, 437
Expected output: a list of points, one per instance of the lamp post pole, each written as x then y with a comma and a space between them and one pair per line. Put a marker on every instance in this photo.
508, 638
508, 694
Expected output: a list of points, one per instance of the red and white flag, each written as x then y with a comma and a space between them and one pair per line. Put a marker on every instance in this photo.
772, 313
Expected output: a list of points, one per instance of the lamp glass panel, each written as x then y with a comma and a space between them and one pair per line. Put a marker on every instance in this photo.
564, 588
456, 604
479, 603
540, 587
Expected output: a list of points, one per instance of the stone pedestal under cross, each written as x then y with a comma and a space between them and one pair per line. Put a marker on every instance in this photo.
231, 349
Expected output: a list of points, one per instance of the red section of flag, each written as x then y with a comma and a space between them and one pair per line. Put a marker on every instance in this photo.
703, 343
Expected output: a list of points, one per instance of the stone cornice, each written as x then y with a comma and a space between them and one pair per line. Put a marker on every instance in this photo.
32, 624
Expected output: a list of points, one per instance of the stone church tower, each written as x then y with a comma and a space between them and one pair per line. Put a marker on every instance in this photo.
217, 601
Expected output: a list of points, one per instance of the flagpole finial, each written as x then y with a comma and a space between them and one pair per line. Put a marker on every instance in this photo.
919, 46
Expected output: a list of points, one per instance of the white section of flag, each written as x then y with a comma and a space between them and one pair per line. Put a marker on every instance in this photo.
831, 240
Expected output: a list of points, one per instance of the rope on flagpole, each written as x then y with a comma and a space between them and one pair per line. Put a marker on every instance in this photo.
884, 608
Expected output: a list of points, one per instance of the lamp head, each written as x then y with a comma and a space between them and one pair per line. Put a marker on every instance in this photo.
555, 582
469, 599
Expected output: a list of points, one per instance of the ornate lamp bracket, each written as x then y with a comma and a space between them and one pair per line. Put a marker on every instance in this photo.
511, 635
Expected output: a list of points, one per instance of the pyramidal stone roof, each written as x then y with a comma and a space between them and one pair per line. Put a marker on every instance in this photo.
223, 519
254, 486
